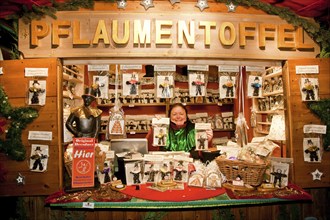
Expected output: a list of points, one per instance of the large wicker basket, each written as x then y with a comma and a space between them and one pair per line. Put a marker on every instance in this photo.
251, 173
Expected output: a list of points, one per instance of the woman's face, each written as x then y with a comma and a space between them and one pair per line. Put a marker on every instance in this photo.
178, 115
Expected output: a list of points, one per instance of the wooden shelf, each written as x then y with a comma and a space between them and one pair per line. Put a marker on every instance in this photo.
263, 118
279, 92
268, 76
270, 111
264, 123
71, 97
72, 72
69, 78
262, 132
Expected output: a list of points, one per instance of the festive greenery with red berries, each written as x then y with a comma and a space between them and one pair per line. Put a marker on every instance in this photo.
13, 121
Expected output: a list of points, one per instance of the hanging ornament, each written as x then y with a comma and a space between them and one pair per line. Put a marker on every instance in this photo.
231, 7
202, 4
317, 175
147, 4
20, 179
174, 1
121, 4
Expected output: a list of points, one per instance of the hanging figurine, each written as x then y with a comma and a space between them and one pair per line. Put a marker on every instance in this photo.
308, 89
312, 150
166, 87
38, 158
35, 90
199, 83
229, 86
256, 85
133, 82
96, 86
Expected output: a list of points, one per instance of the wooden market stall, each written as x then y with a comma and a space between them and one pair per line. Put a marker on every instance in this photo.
163, 34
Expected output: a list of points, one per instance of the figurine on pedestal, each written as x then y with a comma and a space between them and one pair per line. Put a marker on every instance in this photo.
85, 121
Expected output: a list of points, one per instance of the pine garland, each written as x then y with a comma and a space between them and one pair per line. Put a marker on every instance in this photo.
315, 31
319, 34
19, 117
322, 110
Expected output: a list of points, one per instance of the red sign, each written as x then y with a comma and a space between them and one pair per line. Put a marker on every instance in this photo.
83, 162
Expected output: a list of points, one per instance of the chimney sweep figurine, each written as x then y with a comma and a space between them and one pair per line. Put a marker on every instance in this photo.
256, 86
36, 90
133, 84
166, 88
38, 157
312, 151
96, 86
309, 89
198, 83
229, 86
85, 121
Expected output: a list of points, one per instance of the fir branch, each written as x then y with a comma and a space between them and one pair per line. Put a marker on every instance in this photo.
19, 118
74, 5
321, 109
318, 34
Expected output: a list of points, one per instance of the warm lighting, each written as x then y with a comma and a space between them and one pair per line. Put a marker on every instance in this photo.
277, 130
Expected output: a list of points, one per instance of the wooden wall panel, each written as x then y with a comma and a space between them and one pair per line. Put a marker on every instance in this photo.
15, 85
299, 115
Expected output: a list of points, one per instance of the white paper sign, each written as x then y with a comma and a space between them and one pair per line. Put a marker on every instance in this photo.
311, 69
255, 68
318, 129
166, 68
131, 67
31, 72
98, 67
198, 67
40, 135
160, 121
228, 68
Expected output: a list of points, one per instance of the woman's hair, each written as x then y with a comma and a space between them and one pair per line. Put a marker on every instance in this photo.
178, 105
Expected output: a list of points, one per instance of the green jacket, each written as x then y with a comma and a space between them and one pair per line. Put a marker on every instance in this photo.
182, 139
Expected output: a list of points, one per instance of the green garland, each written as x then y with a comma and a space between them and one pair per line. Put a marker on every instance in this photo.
320, 35
314, 30
18, 118
322, 110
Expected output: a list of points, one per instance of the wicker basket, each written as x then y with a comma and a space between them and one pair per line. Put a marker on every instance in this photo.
250, 173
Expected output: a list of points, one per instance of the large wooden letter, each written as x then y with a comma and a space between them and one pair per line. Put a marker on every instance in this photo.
39, 29
115, 31
57, 31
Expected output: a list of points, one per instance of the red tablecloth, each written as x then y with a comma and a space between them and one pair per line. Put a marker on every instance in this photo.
188, 194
